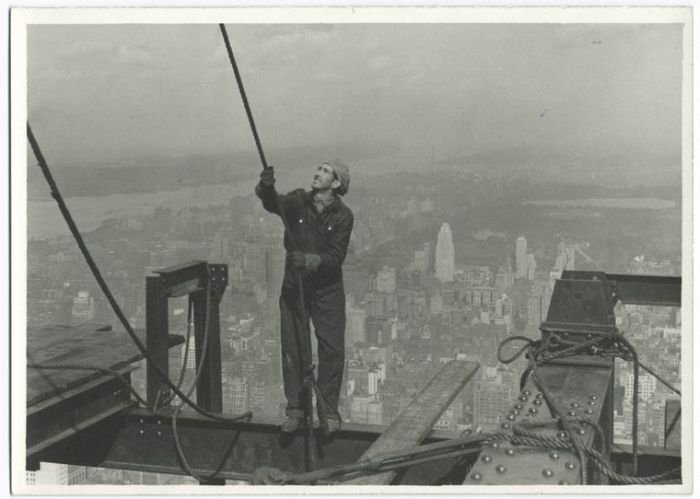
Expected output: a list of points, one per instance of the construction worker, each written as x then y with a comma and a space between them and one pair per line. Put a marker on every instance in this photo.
320, 225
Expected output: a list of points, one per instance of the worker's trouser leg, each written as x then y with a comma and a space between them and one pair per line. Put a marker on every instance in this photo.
328, 315
292, 328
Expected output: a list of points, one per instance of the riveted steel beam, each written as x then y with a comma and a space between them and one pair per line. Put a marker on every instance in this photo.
580, 391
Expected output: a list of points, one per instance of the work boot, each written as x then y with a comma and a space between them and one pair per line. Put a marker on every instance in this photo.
291, 424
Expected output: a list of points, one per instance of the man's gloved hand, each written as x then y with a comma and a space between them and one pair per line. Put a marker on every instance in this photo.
299, 260
267, 176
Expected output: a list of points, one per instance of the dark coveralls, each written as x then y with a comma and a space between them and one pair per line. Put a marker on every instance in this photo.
325, 234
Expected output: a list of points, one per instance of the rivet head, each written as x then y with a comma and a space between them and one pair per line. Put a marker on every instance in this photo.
301, 220
581, 431
510, 452
572, 413
594, 397
141, 432
574, 404
522, 398
476, 476
554, 455
591, 402
588, 411
539, 396
547, 472
511, 417
159, 433
516, 412
561, 434
141, 420
537, 402
569, 466
500, 468
527, 392
487, 459
533, 410
495, 445
505, 426
518, 406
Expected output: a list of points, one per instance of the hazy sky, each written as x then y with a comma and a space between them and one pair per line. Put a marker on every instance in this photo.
567, 89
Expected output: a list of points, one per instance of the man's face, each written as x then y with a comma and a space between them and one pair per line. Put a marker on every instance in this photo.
324, 178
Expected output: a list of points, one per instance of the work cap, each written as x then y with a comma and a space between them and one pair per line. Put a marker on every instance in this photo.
342, 172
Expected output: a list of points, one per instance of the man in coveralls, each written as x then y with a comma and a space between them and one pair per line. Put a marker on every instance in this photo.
321, 225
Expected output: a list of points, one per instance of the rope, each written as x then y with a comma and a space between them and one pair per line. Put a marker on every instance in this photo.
56, 194
554, 347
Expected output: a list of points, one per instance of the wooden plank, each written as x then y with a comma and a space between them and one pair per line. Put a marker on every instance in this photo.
580, 391
672, 425
87, 344
417, 420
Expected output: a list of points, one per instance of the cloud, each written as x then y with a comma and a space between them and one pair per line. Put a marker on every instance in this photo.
83, 48
134, 55
378, 62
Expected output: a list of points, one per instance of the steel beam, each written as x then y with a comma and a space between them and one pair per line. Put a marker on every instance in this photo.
581, 391
662, 291
141, 440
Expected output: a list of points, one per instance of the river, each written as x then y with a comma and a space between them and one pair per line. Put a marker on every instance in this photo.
44, 220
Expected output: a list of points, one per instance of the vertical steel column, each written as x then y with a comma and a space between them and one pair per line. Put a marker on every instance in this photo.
209, 391
156, 337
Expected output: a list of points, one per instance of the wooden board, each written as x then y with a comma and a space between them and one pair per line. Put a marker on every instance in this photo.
93, 344
418, 419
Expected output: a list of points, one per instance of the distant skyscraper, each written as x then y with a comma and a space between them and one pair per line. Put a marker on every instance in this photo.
83, 307
386, 279
445, 255
521, 257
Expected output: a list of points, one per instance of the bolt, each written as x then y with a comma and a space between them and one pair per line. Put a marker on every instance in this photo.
487, 459
554, 455
570, 466
500, 468
510, 452
476, 476
505, 426
547, 473
537, 402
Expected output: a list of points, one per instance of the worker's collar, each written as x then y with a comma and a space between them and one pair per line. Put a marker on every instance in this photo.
329, 204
